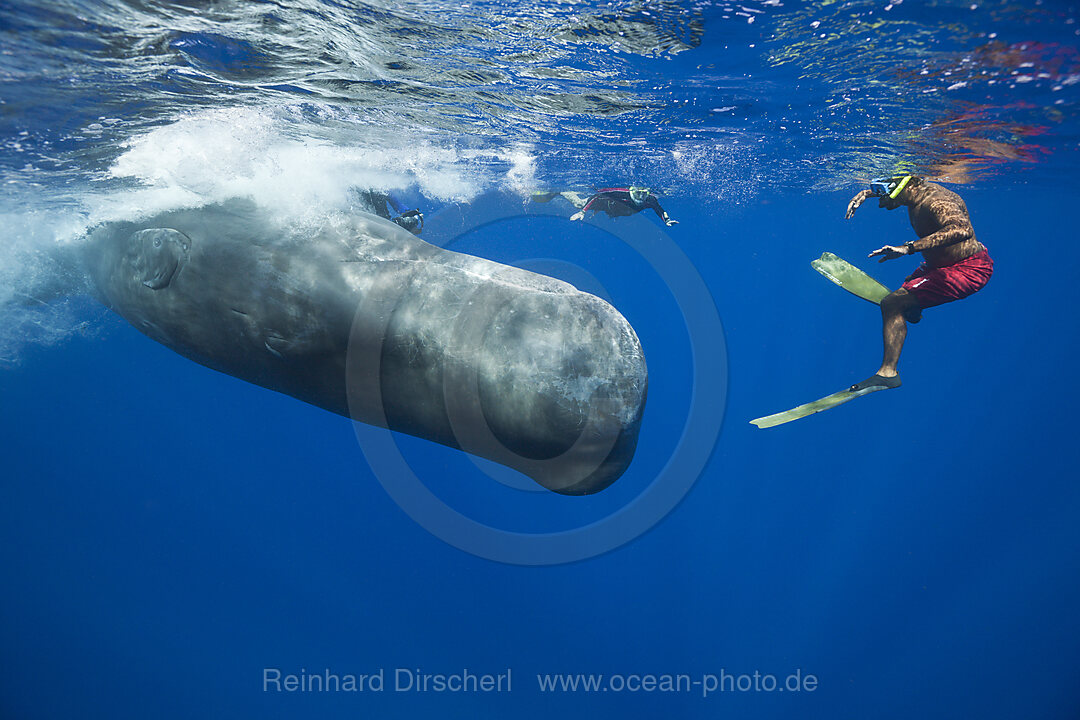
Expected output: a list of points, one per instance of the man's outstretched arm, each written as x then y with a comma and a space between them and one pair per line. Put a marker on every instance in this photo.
660, 212
890, 252
856, 202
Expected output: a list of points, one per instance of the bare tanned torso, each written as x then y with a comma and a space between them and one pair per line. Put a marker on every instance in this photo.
940, 219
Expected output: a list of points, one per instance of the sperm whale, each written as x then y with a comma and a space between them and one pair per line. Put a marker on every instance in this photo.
364, 319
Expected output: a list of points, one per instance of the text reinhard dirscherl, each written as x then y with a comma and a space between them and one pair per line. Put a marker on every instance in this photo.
398, 680
414, 680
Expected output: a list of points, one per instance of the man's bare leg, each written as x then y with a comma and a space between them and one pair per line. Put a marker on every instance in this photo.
894, 332
894, 307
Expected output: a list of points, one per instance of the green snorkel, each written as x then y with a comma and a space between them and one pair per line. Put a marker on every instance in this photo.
890, 187
900, 187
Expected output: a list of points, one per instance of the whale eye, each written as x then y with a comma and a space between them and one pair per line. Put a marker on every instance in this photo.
156, 255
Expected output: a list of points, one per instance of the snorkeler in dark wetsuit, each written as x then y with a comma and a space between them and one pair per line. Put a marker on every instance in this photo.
381, 203
615, 202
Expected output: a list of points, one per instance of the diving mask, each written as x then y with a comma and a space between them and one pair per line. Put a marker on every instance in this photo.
639, 195
889, 186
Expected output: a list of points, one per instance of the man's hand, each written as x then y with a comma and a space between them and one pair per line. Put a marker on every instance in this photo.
578, 216
669, 222
856, 202
890, 252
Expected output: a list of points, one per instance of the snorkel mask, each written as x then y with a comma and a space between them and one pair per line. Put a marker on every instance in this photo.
638, 195
890, 187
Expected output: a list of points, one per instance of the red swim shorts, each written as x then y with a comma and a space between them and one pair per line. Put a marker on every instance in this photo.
934, 286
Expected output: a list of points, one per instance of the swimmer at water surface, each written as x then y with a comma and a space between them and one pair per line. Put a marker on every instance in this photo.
614, 202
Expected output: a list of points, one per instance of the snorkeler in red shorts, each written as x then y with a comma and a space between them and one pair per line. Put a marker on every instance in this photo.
955, 263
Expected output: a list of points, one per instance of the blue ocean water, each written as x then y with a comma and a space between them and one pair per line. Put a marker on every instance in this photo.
172, 537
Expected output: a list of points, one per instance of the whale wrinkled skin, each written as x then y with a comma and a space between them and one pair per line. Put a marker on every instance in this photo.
368, 321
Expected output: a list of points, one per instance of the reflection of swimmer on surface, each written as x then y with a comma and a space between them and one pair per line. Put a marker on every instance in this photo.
382, 203
616, 202
963, 144
955, 263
